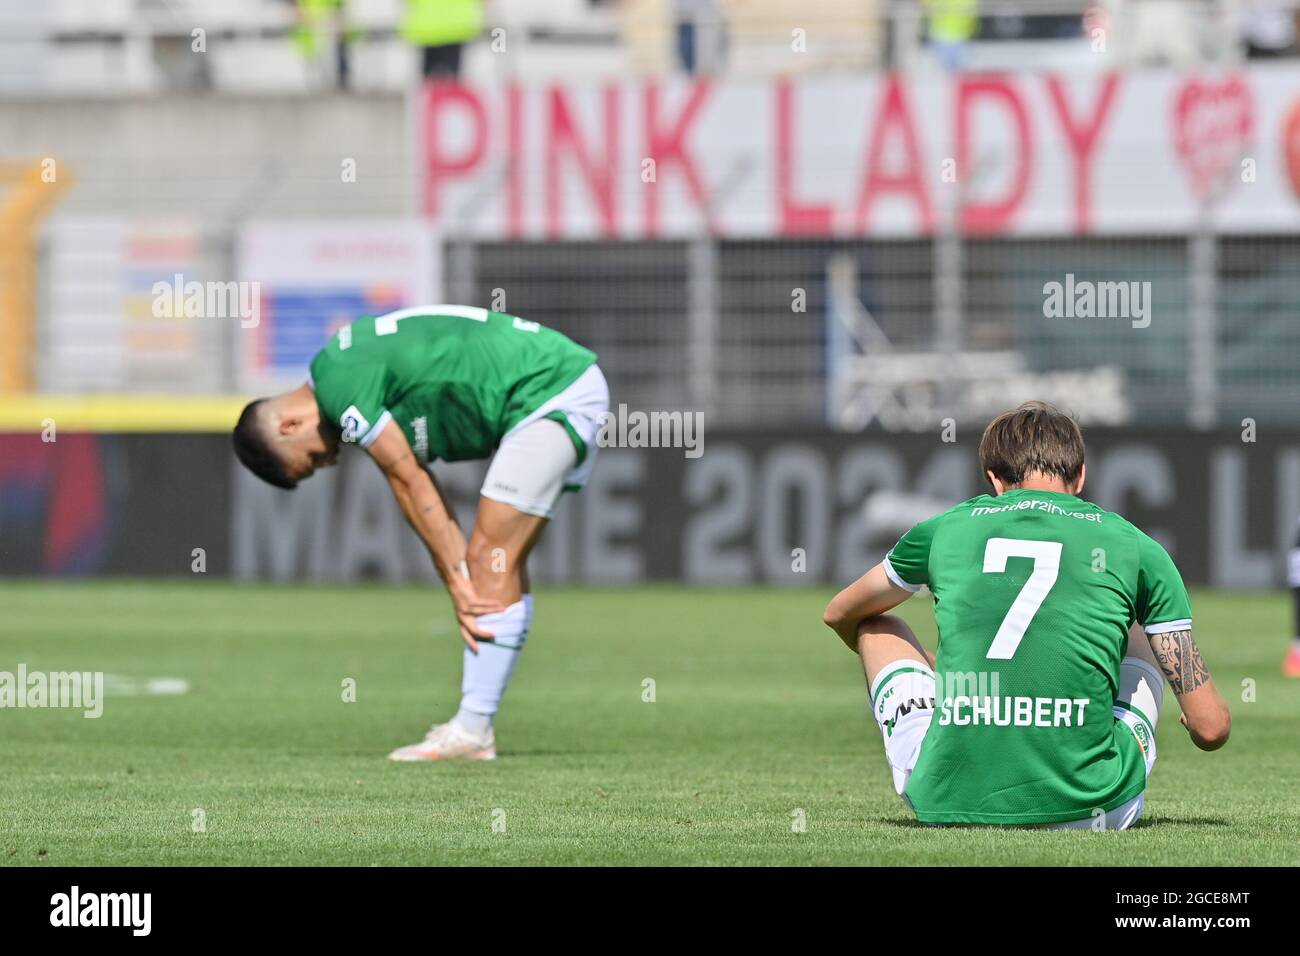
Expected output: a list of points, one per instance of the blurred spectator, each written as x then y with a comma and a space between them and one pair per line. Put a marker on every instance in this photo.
701, 35
1039, 26
321, 28
1268, 29
1162, 33
950, 25
182, 69
441, 28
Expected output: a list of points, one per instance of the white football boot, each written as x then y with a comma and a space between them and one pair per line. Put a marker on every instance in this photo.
449, 741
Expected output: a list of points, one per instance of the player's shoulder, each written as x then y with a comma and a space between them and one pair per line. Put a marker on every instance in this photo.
351, 344
963, 509
975, 512
1048, 503
1120, 524
1148, 551
325, 357
978, 506
348, 360
952, 516
329, 359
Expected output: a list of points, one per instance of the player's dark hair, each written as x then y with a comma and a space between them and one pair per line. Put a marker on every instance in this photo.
253, 448
1034, 438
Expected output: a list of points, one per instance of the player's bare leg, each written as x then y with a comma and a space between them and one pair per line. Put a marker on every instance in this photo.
499, 546
885, 640
497, 561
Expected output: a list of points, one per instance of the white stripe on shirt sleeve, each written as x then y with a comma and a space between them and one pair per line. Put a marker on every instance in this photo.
1183, 625
896, 580
369, 438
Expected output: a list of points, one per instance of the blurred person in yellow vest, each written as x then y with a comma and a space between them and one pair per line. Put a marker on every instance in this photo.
950, 25
441, 28
322, 24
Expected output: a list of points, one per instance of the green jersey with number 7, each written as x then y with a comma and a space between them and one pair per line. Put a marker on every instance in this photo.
1034, 594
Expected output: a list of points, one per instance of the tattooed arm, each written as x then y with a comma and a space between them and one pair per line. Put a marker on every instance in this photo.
1205, 713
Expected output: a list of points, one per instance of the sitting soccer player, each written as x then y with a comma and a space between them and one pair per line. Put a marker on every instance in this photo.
1055, 621
453, 383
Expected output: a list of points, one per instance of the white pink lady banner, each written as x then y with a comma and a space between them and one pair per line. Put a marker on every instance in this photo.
1003, 154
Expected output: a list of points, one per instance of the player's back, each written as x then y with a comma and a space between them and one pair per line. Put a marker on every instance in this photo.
1034, 594
455, 378
463, 344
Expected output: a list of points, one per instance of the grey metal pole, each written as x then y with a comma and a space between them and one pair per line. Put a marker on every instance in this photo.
461, 264
949, 319
702, 319
231, 374
1202, 326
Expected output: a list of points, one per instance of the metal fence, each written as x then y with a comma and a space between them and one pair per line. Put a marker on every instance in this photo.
746, 330
754, 332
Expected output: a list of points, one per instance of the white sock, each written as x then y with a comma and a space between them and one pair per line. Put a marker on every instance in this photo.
1141, 688
486, 674
475, 724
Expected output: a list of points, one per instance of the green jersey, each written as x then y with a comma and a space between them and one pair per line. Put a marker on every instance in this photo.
1034, 593
454, 378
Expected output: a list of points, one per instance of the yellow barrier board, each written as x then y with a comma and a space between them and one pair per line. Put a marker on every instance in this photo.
120, 413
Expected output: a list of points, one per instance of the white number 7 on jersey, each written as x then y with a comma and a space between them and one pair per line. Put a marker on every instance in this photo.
1047, 565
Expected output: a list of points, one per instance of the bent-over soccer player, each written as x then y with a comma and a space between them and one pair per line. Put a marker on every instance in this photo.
1056, 621
454, 383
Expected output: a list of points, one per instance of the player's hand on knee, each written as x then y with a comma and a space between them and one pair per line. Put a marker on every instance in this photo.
470, 630
469, 606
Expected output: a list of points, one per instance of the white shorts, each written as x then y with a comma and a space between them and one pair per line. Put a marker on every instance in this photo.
539, 459
905, 713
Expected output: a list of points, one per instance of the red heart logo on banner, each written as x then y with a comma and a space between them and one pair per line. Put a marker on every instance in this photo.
1212, 125
1291, 146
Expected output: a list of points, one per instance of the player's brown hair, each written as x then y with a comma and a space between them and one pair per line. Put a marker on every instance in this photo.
1034, 438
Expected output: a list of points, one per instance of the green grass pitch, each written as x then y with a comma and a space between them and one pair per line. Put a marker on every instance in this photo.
758, 717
